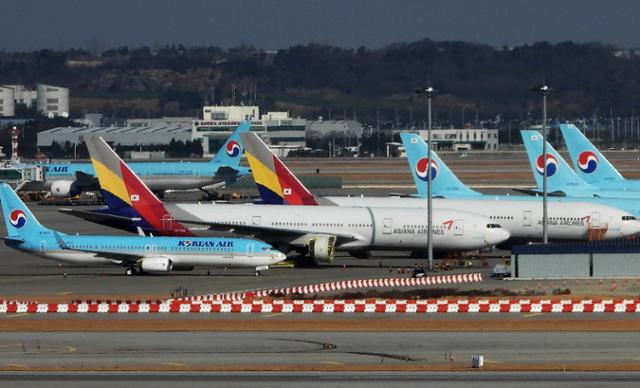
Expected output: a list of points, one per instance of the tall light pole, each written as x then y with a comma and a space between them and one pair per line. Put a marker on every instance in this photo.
430, 92
544, 90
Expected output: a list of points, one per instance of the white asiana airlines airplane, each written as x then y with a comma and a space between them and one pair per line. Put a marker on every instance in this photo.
522, 218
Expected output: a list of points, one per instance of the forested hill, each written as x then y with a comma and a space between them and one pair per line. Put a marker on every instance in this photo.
330, 81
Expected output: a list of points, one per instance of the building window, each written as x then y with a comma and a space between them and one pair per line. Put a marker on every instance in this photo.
52, 100
51, 108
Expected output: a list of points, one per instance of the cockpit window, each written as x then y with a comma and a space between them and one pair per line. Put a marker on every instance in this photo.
628, 218
493, 226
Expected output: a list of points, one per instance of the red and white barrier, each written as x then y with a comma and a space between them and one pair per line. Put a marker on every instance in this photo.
357, 306
356, 284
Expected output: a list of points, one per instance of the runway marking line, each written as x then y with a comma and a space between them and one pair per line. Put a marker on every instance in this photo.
16, 365
333, 362
63, 293
174, 364
271, 315
16, 315
532, 315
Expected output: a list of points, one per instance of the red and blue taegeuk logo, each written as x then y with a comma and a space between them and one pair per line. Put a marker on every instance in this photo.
17, 218
587, 162
233, 148
552, 165
421, 169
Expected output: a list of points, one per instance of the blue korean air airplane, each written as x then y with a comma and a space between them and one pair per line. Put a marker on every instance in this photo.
591, 165
138, 254
561, 179
69, 179
445, 184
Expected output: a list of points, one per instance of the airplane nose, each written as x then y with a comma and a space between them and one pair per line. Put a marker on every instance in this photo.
496, 236
630, 228
279, 256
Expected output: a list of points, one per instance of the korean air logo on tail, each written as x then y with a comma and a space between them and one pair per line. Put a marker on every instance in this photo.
233, 148
587, 162
421, 169
552, 165
17, 218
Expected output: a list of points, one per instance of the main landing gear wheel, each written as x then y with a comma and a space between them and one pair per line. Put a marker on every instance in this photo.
131, 271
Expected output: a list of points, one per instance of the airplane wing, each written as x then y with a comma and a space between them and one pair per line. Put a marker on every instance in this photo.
269, 233
536, 192
100, 217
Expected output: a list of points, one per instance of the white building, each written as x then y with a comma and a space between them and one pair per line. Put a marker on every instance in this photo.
22, 95
463, 139
52, 100
7, 102
276, 128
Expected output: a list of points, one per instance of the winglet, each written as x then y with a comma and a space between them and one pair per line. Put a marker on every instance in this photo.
60, 241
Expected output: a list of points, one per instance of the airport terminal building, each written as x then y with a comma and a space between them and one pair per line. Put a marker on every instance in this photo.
129, 136
463, 139
275, 128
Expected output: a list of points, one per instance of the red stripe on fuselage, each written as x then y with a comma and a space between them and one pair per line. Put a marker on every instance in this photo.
150, 208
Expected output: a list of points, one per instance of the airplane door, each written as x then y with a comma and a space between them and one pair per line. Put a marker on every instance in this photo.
256, 220
250, 250
150, 248
595, 219
526, 218
387, 226
167, 222
43, 246
458, 228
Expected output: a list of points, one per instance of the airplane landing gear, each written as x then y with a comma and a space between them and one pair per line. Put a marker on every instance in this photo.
132, 271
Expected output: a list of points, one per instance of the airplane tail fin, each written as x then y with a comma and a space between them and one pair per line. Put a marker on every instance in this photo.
231, 151
444, 182
560, 176
20, 222
589, 163
276, 183
126, 195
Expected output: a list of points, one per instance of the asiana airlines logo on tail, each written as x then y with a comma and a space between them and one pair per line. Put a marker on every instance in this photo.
205, 244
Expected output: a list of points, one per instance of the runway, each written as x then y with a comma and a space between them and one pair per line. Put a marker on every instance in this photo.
320, 379
234, 351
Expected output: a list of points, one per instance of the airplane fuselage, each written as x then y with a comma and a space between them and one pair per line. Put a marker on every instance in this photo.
181, 252
362, 227
523, 219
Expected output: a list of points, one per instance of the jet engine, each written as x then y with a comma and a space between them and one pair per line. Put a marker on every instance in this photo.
64, 189
322, 248
156, 264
